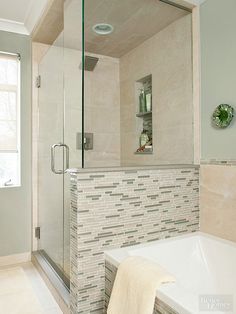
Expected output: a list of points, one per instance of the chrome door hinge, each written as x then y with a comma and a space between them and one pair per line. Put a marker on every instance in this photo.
38, 81
37, 232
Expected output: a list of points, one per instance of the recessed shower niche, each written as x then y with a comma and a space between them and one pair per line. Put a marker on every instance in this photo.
143, 97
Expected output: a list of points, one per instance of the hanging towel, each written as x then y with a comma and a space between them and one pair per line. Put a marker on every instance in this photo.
135, 286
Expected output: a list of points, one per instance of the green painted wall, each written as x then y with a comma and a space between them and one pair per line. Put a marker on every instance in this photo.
15, 203
218, 56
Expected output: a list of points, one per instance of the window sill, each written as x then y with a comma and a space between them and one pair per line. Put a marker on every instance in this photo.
10, 186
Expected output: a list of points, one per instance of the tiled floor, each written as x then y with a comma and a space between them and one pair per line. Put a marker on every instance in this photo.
22, 291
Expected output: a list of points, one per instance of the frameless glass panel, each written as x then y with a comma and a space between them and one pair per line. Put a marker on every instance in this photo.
51, 124
138, 84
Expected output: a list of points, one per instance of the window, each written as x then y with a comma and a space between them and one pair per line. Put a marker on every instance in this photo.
9, 120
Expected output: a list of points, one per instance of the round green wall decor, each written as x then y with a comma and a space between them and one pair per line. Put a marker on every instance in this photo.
222, 116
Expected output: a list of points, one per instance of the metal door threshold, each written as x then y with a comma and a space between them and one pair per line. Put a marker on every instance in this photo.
53, 280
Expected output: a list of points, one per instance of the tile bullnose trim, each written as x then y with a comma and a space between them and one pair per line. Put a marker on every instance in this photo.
132, 168
219, 162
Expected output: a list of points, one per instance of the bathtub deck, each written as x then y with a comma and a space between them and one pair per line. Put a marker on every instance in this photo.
202, 265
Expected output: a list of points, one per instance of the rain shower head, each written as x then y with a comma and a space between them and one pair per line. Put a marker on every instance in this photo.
89, 63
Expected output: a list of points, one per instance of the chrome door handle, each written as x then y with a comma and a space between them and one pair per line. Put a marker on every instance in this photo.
53, 168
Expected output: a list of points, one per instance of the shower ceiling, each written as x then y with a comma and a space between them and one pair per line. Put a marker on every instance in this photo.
134, 21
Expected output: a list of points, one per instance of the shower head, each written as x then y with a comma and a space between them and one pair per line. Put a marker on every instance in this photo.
89, 63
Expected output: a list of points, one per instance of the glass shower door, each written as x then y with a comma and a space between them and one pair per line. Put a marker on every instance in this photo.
51, 159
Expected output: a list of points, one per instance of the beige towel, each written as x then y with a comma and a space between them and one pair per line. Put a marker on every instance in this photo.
135, 286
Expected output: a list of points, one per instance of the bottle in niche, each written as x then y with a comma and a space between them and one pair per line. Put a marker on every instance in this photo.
144, 138
149, 101
142, 101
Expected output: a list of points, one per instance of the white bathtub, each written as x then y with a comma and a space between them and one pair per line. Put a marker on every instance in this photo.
201, 264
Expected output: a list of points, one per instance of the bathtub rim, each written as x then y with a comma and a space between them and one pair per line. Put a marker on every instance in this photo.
116, 256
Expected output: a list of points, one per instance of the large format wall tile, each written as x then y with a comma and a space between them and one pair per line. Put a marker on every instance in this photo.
218, 200
168, 57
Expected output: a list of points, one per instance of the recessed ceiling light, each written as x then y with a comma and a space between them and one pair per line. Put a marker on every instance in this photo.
103, 29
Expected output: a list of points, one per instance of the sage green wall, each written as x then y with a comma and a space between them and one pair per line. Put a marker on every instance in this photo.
218, 57
15, 203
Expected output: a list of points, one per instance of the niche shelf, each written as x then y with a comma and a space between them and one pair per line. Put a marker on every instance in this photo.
143, 153
143, 99
143, 114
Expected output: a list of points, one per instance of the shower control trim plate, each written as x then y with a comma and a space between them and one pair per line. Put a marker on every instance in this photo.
88, 141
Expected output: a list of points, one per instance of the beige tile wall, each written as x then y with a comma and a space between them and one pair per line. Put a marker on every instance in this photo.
168, 57
218, 200
102, 112
102, 109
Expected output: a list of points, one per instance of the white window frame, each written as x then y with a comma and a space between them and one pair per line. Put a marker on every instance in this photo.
18, 119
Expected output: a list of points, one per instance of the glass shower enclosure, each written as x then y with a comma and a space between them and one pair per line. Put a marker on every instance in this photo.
107, 55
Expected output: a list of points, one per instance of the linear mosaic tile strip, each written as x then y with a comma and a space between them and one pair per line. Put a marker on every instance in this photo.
110, 275
118, 209
227, 162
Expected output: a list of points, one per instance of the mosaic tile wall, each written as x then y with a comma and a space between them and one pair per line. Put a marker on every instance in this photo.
122, 208
220, 162
110, 275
